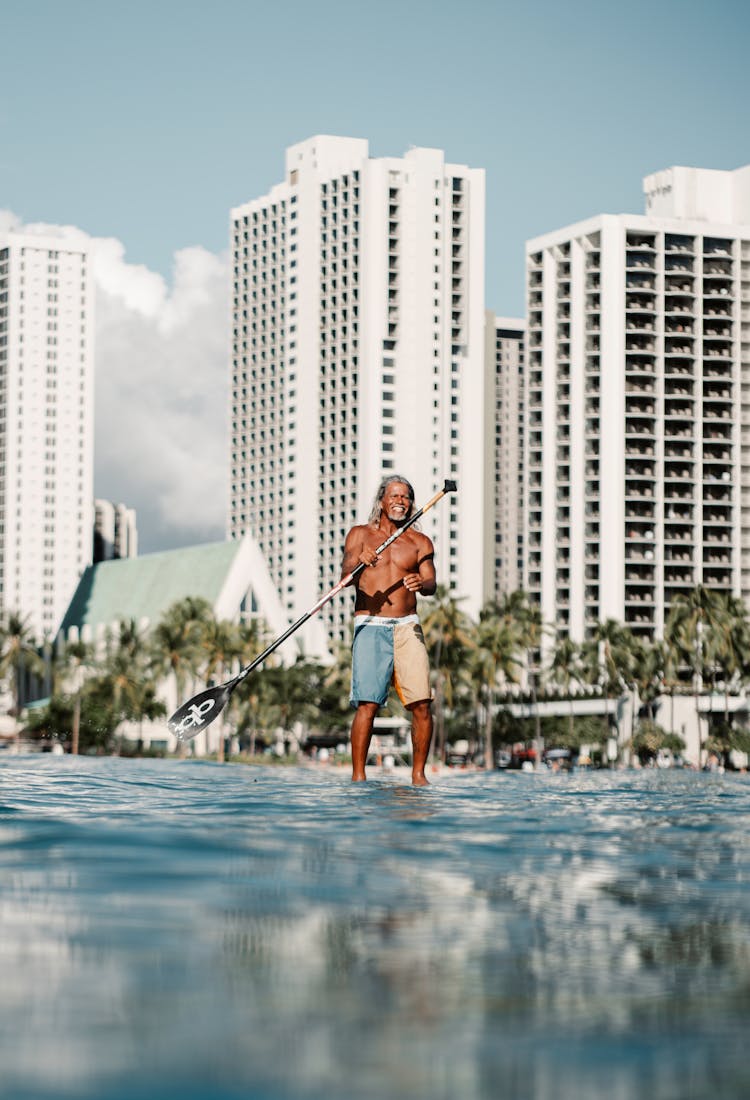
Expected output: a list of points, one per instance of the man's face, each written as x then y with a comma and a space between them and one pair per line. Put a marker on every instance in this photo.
397, 502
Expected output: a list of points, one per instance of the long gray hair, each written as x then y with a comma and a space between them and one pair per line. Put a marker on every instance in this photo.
377, 504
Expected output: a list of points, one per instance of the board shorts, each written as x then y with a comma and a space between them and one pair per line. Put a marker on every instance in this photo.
389, 651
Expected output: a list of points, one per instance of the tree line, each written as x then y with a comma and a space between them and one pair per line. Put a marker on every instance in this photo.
508, 654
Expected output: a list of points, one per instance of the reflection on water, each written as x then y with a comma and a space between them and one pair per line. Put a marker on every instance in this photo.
185, 930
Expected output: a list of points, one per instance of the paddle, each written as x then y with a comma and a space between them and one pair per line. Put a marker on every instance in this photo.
200, 711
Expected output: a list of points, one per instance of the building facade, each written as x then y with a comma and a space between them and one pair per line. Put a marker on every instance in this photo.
504, 432
115, 531
358, 351
637, 481
46, 425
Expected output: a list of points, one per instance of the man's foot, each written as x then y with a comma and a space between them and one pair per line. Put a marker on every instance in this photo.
419, 780
359, 778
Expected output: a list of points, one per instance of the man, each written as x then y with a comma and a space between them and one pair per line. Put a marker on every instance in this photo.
388, 642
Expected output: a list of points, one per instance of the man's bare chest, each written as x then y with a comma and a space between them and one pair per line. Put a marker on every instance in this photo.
402, 555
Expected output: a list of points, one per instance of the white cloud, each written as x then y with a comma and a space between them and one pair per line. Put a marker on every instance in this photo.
161, 388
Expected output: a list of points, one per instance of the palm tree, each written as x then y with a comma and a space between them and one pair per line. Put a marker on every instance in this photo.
609, 661
221, 646
495, 655
175, 643
565, 670
696, 626
669, 670
528, 618
77, 659
648, 679
125, 674
18, 656
732, 646
447, 632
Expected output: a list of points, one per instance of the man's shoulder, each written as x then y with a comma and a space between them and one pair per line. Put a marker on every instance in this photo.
424, 542
361, 529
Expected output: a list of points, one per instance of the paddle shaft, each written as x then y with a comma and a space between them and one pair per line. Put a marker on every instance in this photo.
198, 713
449, 487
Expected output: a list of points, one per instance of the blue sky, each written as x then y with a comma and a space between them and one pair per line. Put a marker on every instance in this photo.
147, 121
142, 122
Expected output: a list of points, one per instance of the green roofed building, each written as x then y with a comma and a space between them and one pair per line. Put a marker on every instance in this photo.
232, 576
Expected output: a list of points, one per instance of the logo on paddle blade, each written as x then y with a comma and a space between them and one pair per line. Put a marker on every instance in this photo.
194, 717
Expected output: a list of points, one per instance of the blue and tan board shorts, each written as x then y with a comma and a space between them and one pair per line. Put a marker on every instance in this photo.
389, 651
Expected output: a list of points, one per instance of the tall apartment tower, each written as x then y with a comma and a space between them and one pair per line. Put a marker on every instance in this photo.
46, 425
115, 531
638, 383
358, 351
504, 432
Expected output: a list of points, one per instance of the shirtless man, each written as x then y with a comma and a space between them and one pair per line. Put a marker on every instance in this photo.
388, 642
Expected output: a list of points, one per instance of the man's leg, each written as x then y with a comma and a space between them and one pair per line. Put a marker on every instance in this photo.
361, 735
421, 736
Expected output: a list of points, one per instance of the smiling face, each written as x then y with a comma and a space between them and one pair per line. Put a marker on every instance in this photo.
396, 502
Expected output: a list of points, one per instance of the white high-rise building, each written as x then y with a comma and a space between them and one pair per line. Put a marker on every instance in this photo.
115, 531
358, 350
504, 431
46, 425
638, 405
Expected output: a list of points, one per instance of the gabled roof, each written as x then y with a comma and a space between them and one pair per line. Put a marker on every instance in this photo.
144, 587
232, 576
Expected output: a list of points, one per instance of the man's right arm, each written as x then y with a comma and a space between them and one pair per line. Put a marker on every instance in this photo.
352, 547
355, 551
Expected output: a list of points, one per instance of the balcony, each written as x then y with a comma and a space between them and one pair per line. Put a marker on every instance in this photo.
640, 574
678, 384
714, 454
678, 364
639, 448
678, 284
677, 450
639, 427
717, 266
678, 533
717, 536
720, 514
638, 490
718, 579
677, 574
636, 363
682, 514
639, 262
638, 596
681, 245
678, 307
639, 301
675, 553
678, 345
677, 264
714, 327
678, 472
717, 287
635, 342
717, 411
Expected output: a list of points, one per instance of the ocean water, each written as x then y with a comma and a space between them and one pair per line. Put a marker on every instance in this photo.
204, 932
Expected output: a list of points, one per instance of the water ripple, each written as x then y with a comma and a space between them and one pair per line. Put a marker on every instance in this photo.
180, 929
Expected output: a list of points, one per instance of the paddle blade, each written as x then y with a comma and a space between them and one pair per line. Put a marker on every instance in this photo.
199, 712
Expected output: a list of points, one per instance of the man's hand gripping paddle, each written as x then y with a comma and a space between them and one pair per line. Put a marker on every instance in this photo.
200, 711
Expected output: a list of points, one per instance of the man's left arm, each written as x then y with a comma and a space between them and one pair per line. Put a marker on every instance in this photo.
424, 580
